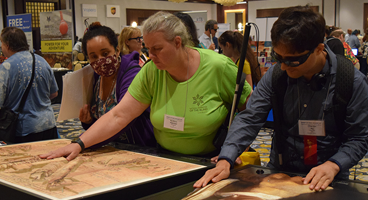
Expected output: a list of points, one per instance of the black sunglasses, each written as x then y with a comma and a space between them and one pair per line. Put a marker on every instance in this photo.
294, 61
214, 29
137, 38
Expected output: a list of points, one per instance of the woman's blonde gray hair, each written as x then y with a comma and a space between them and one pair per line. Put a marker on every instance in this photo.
170, 25
125, 34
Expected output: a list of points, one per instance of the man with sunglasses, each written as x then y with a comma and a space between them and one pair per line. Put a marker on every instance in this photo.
206, 38
310, 141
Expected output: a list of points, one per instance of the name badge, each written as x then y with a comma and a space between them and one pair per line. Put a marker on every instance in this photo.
312, 127
174, 123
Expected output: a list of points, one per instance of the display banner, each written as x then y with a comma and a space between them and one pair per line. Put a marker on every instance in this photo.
56, 46
222, 28
56, 30
24, 22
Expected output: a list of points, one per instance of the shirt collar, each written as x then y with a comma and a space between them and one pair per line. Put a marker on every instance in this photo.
206, 36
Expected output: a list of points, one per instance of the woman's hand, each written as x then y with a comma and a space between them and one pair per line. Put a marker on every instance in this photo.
212, 46
70, 151
85, 114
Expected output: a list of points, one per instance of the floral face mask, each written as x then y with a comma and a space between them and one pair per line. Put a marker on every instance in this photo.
106, 66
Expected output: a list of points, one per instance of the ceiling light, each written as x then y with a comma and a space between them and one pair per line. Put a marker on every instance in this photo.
227, 2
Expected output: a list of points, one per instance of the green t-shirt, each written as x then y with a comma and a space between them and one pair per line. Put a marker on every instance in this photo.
210, 93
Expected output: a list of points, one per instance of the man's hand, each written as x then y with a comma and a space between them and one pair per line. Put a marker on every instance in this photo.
212, 46
238, 161
321, 176
85, 114
221, 171
70, 152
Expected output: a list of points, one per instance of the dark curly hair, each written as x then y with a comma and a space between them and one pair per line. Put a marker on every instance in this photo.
299, 28
96, 29
15, 39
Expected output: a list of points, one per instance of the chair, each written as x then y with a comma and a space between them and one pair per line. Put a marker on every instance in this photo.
80, 56
77, 67
57, 65
75, 55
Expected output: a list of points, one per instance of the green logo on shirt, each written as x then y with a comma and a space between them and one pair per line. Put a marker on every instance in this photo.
197, 100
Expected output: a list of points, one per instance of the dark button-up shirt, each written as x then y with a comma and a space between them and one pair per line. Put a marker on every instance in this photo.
344, 147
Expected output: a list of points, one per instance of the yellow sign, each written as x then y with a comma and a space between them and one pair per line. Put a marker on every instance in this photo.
56, 46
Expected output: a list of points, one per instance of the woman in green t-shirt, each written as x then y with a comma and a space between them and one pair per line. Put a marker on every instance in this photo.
190, 91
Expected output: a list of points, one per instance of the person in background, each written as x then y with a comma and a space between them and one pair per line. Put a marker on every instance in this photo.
335, 44
191, 27
365, 38
75, 39
189, 91
36, 121
353, 40
215, 41
77, 49
347, 35
297, 40
206, 39
145, 50
360, 37
365, 44
114, 74
130, 40
348, 53
231, 44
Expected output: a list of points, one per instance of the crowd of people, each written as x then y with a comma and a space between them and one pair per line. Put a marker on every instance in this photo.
343, 44
178, 96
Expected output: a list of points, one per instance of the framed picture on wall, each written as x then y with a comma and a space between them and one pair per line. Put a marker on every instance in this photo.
112, 11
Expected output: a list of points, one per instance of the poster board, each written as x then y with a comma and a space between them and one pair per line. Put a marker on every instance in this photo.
270, 22
265, 26
262, 26
91, 173
89, 10
222, 27
56, 29
77, 91
112, 11
199, 19
24, 22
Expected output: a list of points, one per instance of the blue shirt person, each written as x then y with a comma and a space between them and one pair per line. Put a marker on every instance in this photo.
15, 74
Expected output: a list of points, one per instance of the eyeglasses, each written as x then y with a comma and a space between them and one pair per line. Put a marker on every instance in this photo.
136, 38
293, 61
215, 30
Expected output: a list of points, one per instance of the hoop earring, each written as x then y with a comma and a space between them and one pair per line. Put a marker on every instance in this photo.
119, 58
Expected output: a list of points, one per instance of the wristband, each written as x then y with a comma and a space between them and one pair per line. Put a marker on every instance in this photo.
80, 142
